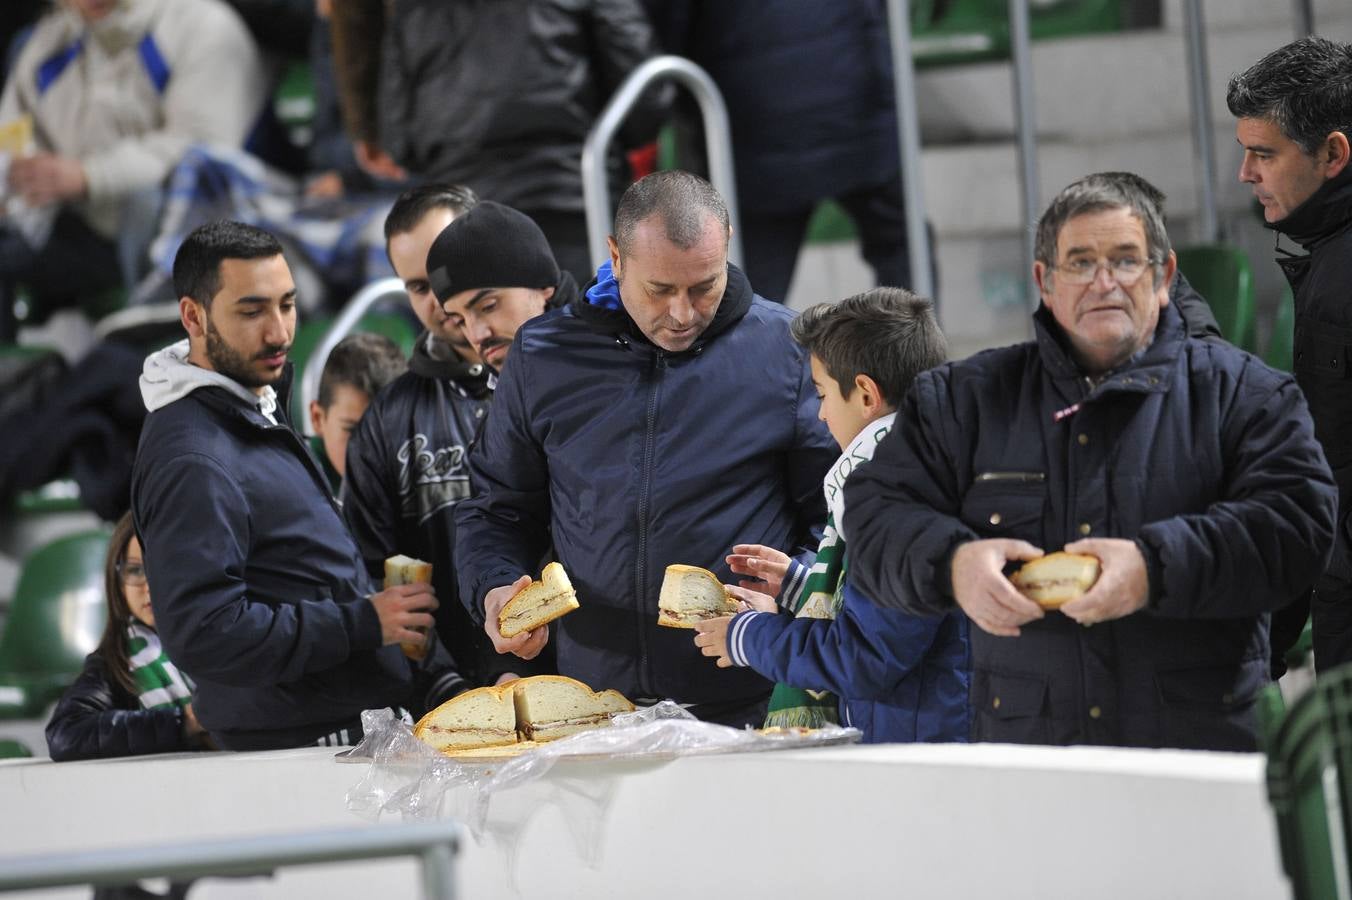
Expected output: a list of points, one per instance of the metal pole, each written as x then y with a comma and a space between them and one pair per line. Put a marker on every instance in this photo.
908, 145
1020, 37
240, 856
1304, 18
438, 865
347, 320
1203, 137
717, 140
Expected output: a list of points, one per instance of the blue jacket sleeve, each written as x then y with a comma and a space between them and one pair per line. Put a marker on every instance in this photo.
194, 526
864, 654
503, 531
1270, 536
90, 723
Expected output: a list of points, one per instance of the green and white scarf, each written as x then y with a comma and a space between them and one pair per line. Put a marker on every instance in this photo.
159, 683
823, 591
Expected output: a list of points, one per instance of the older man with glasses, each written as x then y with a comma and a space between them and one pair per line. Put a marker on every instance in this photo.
1187, 467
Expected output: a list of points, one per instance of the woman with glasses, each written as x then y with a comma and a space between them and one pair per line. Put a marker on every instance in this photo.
129, 699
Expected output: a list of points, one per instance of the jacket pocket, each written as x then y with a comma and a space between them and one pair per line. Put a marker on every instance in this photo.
1005, 504
1211, 707
1319, 353
1010, 708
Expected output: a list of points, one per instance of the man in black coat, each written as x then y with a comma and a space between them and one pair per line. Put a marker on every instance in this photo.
1295, 108
1188, 467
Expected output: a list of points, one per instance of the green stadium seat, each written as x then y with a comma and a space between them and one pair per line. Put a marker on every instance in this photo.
956, 32
12, 749
1280, 353
394, 326
1223, 276
55, 620
1309, 780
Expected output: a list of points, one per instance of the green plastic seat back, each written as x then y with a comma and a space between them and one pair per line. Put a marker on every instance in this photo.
56, 619
1280, 352
12, 749
954, 32
1309, 779
310, 332
1223, 276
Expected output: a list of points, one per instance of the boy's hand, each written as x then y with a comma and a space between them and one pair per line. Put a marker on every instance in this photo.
765, 567
752, 600
982, 590
711, 636
526, 645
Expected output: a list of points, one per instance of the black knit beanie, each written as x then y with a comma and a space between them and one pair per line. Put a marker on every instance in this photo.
490, 246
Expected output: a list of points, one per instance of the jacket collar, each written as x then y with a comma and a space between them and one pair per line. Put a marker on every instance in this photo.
1149, 371
167, 376
1326, 212
737, 297
437, 360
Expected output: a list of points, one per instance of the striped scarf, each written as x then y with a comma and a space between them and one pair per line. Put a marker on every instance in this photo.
159, 683
823, 591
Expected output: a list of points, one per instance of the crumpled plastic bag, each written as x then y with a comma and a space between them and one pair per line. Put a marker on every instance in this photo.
409, 778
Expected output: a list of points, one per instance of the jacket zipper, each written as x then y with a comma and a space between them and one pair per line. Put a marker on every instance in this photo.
641, 563
1022, 477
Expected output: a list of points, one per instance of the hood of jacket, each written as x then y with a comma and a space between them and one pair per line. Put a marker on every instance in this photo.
1325, 213
600, 307
168, 376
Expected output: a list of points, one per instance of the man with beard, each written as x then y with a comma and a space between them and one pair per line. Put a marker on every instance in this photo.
406, 466
260, 594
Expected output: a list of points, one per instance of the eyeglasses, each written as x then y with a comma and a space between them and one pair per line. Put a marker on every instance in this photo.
1125, 270
133, 574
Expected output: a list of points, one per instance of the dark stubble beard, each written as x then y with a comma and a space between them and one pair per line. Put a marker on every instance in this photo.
233, 364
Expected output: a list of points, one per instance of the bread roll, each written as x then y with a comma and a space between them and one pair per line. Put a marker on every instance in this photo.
1056, 579
407, 570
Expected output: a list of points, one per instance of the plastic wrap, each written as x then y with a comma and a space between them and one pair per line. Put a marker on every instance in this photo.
407, 777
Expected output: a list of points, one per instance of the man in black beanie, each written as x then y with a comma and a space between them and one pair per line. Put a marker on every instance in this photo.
492, 270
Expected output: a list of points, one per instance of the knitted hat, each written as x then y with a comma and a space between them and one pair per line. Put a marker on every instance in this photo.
490, 246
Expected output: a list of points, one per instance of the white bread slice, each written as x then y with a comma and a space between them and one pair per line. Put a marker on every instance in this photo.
483, 717
402, 569
538, 603
691, 594
1055, 579
549, 707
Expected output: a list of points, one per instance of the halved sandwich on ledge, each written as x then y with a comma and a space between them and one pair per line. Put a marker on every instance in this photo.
690, 595
483, 717
538, 603
549, 707
1054, 580
539, 708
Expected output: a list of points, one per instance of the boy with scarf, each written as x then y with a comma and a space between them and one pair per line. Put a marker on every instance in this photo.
840, 658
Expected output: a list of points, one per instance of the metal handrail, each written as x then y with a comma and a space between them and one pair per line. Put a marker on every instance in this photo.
717, 142
363, 300
435, 843
1021, 56
908, 137
1203, 135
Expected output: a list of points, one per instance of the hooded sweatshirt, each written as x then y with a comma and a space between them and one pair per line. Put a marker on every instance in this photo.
260, 594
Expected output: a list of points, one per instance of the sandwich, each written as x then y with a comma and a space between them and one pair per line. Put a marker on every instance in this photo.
549, 707
691, 594
490, 720
483, 717
538, 603
407, 570
1057, 578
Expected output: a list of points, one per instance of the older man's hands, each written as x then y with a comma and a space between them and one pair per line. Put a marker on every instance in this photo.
983, 591
1123, 584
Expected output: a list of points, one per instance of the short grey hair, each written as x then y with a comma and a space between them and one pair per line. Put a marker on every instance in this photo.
1105, 191
682, 200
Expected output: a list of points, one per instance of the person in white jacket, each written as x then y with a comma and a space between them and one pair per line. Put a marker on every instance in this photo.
116, 91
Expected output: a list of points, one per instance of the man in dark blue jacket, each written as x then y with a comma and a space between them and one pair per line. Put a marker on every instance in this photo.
260, 593
662, 418
1188, 467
